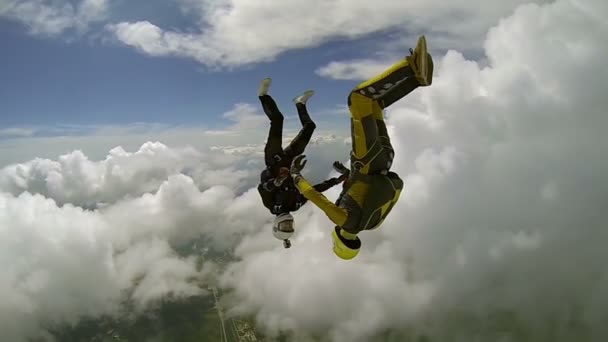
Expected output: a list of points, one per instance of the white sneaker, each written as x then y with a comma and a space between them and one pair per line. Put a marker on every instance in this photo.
264, 86
304, 97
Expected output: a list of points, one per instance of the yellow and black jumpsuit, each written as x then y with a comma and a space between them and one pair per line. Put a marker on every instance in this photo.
365, 201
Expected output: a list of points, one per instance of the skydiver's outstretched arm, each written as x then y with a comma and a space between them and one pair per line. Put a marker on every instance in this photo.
273, 148
341, 169
335, 213
299, 143
328, 184
267, 181
321, 187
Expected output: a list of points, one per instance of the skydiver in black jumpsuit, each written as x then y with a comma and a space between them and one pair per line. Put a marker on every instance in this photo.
276, 187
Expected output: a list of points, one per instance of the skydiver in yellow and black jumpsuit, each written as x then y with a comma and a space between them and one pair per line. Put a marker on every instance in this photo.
371, 190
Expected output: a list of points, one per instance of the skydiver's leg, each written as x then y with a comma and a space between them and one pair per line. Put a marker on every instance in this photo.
364, 132
274, 142
385, 140
299, 143
273, 146
401, 78
371, 148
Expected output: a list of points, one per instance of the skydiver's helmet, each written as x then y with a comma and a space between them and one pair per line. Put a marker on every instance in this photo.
283, 228
346, 245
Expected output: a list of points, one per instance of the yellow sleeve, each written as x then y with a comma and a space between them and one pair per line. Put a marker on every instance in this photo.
336, 214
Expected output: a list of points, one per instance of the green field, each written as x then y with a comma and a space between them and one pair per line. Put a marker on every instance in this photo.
194, 319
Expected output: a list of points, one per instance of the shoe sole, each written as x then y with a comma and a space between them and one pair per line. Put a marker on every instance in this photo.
304, 97
421, 60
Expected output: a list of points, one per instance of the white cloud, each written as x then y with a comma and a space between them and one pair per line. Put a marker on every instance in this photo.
249, 128
16, 132
258, 149
52, 18
236, 32
95, 141
62, 264
76, 179
124, 249
84, 174
337, 110
352, 70
246, 117
499, 234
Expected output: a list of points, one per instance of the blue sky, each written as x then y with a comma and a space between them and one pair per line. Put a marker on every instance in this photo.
117, 72
52, 82
92, 80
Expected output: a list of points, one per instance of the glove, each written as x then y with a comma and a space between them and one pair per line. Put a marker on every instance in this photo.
283, 174
340, 168
343, 177
279, 181
297, 165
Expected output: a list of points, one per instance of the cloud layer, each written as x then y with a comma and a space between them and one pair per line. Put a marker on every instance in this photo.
77, 180
61, 264
499, 234
237, 32
85, 238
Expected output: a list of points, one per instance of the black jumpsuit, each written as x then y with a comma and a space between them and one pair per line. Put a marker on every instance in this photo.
286, 198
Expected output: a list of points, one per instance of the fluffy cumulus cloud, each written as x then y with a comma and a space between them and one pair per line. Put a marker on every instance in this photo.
85, 238
500, 233
236, 32
45, 17
246, 117
352, 70
62, 263
76, 179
